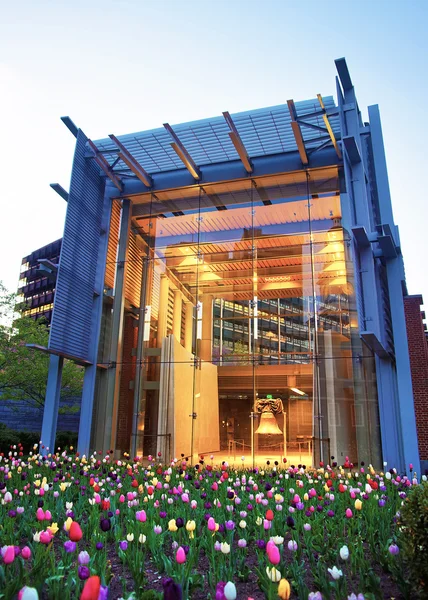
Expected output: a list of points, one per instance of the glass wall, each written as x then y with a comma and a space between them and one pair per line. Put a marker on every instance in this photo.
250, 346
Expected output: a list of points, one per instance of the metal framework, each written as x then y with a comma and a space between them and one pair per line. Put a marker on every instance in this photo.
237, 142
264, 142
181, 151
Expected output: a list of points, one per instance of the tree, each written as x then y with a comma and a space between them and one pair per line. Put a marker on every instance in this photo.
24, 371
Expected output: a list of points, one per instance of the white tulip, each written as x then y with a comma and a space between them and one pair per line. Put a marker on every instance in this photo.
273, 574
229, 591
344, 553
335, 573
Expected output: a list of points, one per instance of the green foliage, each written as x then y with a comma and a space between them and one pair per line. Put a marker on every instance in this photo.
10, 437
413, 537
23, 371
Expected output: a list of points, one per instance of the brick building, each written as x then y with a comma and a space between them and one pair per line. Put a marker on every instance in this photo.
418, 351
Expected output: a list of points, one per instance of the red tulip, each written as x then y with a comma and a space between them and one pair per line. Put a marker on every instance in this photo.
75, 533
91, 589
269, 515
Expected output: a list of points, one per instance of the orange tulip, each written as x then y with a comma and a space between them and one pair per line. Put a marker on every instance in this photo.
75, 533
91, 589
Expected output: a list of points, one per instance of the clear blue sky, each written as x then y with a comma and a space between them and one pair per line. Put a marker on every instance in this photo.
129, 65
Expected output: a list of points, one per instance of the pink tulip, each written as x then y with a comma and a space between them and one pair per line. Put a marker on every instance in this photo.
180, 556
211, 524
45, 537
141, 516
121, 498
269, 546
267, 524
274, 555
296, 498
26, 553
48, 515
185, 497
348, 513
40, 515
214, 486
9, 555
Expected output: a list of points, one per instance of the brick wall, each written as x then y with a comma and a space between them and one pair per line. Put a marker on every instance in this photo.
418, 351
126, 395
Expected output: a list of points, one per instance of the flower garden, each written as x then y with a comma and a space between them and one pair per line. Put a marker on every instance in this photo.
95, 528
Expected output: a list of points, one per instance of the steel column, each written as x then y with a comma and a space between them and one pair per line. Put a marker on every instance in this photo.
50, 413
88, 392
116, 341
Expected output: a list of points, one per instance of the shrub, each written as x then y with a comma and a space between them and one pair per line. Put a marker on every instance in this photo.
413, 537
10, 437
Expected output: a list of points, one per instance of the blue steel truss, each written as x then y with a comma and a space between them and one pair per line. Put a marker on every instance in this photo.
264, 132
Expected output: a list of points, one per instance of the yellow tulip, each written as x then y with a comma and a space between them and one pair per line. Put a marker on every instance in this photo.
53, 528
190, 526
68, 523
172, 526
358, 505
284, 589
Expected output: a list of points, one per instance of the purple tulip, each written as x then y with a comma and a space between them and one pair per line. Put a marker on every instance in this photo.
123, 545
394, 549
69, 546
171, 590
83, 572
105, 524
230, 525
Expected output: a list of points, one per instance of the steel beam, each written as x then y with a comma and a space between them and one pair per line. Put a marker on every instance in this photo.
182, 153
329, 128
103, 164
60, 190
297, 132
132, 163
345, 78
238, 143
70, 125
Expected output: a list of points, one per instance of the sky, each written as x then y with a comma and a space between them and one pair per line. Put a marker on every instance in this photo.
129, 65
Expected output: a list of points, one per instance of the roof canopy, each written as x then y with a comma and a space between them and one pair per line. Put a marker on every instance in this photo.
241, 136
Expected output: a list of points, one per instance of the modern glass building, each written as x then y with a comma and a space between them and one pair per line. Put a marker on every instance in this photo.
233, 286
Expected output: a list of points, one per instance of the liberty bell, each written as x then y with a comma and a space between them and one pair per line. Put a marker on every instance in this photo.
268, 424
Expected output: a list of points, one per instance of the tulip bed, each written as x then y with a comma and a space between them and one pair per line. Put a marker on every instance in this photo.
95, 528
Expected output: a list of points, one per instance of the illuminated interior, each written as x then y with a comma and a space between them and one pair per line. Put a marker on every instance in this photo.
248, 293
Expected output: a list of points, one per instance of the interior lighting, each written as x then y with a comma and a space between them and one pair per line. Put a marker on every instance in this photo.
297, 391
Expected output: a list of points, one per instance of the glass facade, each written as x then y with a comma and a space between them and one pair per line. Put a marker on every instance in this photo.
250, 345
